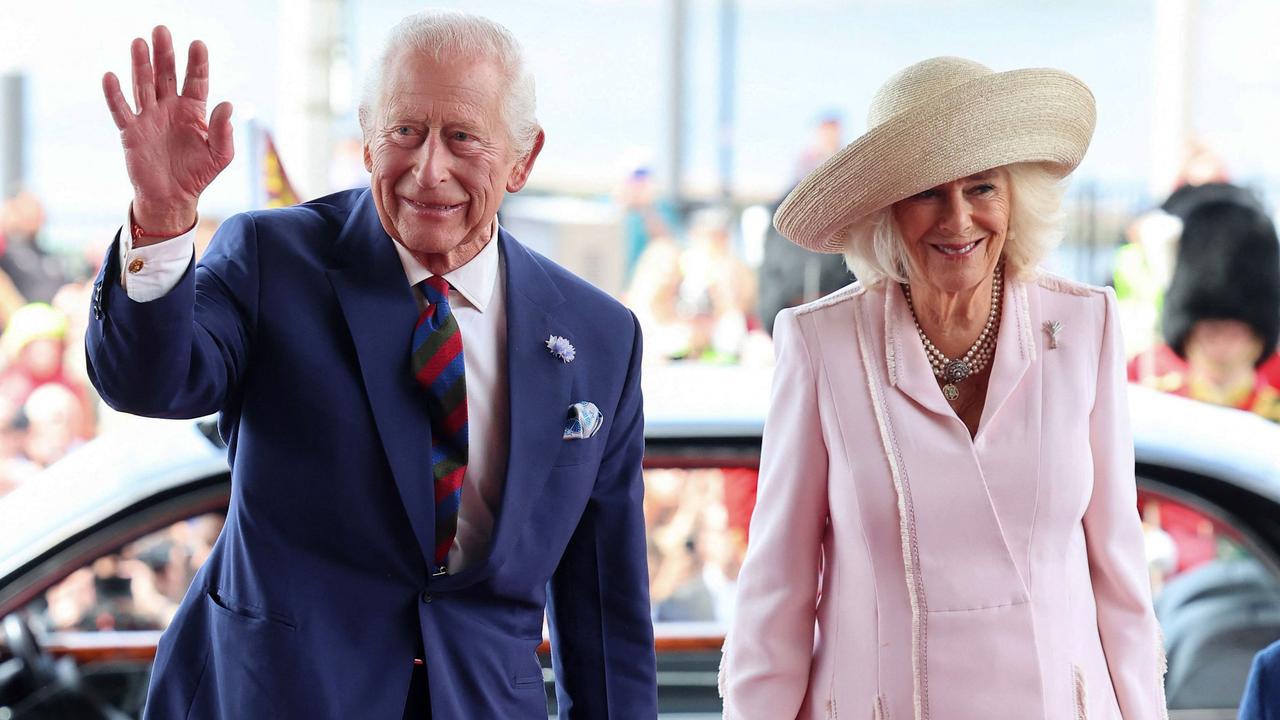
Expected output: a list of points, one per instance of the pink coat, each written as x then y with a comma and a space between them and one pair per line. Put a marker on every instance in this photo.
898, 569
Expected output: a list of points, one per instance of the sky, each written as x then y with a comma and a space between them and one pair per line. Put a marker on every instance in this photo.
603, 72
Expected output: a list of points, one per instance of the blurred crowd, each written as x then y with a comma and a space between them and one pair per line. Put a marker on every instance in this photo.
47, 406
1198, 281
696, 524
138, 588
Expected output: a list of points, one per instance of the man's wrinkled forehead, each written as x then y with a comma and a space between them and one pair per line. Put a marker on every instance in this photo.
413, 76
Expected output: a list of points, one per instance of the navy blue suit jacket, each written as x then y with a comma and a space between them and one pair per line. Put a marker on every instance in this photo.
296, 326
1261, 699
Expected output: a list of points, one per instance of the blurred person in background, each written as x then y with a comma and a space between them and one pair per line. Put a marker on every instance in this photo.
15, 467
36, 274
55, 424
449, 505
717, 290
1221, 315
646, 217
34, 348
791, 275
653, 294
1143, 266
946, 521
828, 137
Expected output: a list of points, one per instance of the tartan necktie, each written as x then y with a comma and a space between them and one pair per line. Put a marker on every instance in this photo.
437, 364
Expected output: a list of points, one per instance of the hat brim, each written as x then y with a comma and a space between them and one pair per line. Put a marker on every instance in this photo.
1035, 115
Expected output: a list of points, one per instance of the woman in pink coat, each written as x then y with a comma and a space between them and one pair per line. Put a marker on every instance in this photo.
946, 524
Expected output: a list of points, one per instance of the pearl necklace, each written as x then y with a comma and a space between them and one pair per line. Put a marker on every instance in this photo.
980, 353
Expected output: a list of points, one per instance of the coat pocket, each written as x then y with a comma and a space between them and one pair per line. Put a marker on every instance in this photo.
236, 610
524, 670
878, 709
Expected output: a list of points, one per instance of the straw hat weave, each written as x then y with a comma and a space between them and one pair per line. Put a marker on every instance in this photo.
934, 122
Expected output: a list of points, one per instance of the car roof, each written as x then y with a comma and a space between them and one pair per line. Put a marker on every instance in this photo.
696, 402
108, 474
1206, 439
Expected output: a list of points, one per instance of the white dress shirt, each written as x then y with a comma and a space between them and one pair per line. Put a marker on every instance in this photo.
478, 299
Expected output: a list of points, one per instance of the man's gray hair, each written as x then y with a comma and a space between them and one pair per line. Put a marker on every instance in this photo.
444, 33
875, 251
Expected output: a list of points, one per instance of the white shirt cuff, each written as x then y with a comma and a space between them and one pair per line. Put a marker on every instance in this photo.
150, 272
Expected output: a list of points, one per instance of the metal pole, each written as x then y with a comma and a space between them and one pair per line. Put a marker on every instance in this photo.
1172, 95
728, 87
675, 102
12, 133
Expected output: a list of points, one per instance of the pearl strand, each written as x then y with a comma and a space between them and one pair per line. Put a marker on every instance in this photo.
982, 350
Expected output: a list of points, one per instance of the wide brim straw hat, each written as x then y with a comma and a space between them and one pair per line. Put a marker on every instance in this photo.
936, 121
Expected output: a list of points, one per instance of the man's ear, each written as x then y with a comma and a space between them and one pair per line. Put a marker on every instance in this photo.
364, 138
524, 166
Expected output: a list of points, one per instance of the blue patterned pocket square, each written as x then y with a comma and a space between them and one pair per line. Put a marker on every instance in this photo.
584, 421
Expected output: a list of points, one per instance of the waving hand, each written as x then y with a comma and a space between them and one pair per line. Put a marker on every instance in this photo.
170, 151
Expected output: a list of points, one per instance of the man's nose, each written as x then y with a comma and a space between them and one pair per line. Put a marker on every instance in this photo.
431, 167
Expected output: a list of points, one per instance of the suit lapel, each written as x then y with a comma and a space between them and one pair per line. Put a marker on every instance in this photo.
1015, 350
539, 388
909, 368
380, 312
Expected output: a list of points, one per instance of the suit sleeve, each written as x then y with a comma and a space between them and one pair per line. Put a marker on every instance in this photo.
180, 355
601, 631
769, 648
1258, 701
1113, 537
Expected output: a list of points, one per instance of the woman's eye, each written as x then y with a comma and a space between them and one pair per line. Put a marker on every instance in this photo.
984, 188
925, 194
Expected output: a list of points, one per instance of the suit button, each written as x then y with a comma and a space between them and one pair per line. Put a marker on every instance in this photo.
136, 265
426, 597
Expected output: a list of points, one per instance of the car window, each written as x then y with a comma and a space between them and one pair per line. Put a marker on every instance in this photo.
697, 529
137, 588
1217, 602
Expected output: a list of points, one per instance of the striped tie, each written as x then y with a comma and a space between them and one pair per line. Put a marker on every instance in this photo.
437, 364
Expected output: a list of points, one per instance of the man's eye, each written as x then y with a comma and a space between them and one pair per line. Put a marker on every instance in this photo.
461, 136
402, 130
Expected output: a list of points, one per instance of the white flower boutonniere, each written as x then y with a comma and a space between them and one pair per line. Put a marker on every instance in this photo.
561, 348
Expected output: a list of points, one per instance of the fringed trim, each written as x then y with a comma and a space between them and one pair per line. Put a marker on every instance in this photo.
835, 298
907, 526
1026, 334
724, 663
1082, 694
1162, 663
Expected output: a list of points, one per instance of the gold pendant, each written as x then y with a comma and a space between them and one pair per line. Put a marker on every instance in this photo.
950, 392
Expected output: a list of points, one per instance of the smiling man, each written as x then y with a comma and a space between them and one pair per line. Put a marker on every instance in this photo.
435, 434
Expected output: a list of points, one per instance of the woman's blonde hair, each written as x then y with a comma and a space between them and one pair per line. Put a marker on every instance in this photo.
875, 251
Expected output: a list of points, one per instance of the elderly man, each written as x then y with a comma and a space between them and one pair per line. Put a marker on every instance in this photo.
435, 434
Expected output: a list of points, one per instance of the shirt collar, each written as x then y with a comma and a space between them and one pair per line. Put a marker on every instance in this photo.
474, 280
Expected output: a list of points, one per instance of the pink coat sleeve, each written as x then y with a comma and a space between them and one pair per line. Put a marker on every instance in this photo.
769, 647
1113, 537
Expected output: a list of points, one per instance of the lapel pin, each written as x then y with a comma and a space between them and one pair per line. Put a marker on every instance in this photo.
1053, 327
561, 348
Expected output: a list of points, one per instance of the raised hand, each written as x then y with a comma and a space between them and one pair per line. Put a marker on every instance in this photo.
171, 153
